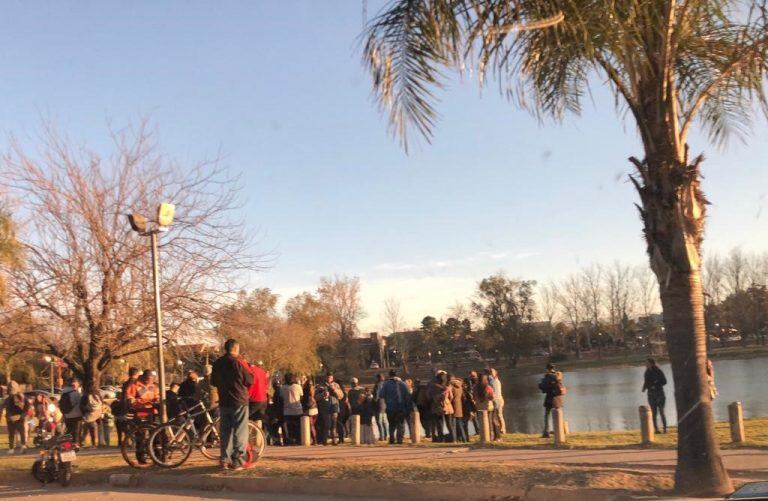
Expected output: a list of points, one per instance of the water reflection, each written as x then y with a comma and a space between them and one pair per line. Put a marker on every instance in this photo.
608, 398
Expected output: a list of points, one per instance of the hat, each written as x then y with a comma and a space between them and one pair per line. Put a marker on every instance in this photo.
354, 380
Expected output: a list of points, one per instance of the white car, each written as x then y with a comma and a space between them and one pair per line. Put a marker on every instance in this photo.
374, 365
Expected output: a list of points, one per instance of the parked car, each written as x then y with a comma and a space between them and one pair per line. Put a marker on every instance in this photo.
374, 365
540, 352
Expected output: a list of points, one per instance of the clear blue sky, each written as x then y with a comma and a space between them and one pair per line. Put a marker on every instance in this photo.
279, 88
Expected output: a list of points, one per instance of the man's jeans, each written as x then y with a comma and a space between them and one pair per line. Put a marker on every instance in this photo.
234, 434
383, 424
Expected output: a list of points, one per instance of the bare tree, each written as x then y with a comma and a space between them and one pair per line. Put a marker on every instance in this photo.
736, 270
592, 284
87, 276
341, 297
712, 277
570, 296
393, 321
548, 308
647, 290
618, 285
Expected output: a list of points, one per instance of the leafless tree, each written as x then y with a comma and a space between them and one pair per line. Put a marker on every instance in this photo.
646, 290
87, 275
618, 287
736, 271
548, 307
712, 277
341, 297
570, 296
592, 295
393, 321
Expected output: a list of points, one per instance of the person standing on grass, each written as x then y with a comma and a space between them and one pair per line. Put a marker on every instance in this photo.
15, 412
554, 391
291, 394
232, 380
91, 407
459, 423
470, 406
498, 400
309, 405
69, 403
397, 399
381, 409
654, 382
257, 393
367, 410
328, 395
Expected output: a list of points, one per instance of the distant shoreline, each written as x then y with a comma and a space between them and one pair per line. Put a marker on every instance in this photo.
530, 367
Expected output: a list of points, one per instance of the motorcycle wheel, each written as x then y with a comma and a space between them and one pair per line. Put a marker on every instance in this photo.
65, 474
39, 472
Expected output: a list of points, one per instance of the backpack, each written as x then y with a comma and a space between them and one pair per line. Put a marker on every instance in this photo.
65, 404
560, 388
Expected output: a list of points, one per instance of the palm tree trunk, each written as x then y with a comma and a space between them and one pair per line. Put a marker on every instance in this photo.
673, 217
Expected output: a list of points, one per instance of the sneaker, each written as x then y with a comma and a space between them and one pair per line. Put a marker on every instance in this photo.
11, 452
236, 467
22, 449
223, 465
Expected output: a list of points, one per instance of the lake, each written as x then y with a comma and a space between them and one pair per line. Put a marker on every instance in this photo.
607, 398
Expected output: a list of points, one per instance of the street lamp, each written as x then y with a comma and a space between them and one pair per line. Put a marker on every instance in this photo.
181, 369
50, 360
138, 223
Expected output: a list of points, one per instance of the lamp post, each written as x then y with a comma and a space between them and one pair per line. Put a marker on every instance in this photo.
139, 224
50, 360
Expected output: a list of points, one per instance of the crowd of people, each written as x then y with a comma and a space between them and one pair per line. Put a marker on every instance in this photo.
238, 391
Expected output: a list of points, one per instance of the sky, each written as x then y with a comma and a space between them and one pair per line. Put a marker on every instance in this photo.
279, 90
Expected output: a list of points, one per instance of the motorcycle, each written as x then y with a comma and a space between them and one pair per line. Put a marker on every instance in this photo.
56, 457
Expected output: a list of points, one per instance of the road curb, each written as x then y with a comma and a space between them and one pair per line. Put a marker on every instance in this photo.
318, 487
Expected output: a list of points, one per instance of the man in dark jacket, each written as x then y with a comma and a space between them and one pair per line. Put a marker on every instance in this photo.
654, 383
398, 400
232, 379
552, 387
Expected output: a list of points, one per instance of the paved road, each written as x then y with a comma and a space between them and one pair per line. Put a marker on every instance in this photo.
56, 493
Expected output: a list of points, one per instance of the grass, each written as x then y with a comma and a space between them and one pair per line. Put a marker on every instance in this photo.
755, 431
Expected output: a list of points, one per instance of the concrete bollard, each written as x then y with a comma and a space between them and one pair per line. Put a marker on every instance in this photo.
647, 433
558, 422
736, 419
415, 427
354, 429
485, 427
306, 435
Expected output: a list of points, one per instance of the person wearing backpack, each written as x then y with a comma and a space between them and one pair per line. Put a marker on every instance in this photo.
70, 407
554, 390
654, 382
92, 408
15, 407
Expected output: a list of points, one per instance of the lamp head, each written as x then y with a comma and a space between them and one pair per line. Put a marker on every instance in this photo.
138, 222
165, 215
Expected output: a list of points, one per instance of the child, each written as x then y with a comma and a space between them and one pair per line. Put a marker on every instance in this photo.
367, 411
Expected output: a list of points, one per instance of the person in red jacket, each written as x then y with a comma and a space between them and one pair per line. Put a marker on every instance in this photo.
257, 393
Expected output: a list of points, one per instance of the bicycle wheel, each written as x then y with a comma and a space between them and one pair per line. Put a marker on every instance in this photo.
170, 445
257, 440
134, 448
210, 441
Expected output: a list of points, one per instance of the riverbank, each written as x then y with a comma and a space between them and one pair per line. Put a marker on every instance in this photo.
591, 361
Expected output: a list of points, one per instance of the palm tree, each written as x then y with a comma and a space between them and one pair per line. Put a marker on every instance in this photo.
668, 62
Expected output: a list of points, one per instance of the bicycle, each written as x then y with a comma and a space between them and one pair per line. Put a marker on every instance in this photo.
135, 444
172, 443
